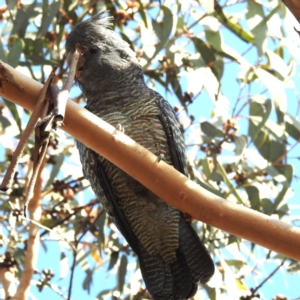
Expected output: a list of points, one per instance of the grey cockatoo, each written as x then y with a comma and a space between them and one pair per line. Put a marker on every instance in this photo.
172, 258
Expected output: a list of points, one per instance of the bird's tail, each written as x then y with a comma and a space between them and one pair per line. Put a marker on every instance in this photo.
178, 280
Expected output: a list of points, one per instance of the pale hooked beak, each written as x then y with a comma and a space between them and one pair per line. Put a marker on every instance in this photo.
80, 64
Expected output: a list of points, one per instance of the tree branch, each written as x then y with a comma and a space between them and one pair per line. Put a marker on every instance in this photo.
161, 178
294, 7
33, 241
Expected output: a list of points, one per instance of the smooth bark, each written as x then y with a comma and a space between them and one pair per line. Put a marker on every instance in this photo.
162, 179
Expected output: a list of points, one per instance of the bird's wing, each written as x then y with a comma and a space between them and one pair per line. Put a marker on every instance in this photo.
94, 172
174, 135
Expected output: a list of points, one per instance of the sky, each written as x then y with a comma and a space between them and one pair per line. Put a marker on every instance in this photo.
281, 283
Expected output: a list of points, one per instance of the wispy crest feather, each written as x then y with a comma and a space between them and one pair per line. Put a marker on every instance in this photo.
100, 19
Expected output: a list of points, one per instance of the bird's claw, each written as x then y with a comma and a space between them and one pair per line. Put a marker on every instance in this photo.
120, 128
160, 157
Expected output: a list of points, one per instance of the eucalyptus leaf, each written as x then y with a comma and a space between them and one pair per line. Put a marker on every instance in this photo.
49, 17
59, 159
256, 22
15, 52
113, 260
4, 122
122, 273
210, 130
13, 109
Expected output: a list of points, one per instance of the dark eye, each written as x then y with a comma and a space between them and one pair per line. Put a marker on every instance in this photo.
93, 50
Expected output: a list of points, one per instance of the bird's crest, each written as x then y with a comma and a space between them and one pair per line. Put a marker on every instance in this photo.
101, 19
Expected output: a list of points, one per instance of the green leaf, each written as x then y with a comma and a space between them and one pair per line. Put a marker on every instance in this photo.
259, 114
205, 167
4, 122
176, 87
48, 17
122, 273
228, 183
88, 280
292, 126
100, 228
277, 176
126, 39
210, 130
205, 50
16, 49
212, 292
277, 150
195, 176
268, 206
20, 21
257, 24
288, 172
113, 259
156, 76
275, 86
235, 28
163, 29
13, 109
241, 143
104, 293
142, 13
216, 176
277, 64
238, 264
214, 38
253, 196
11, 4
276, 131
2, 53
56, 168
34, 50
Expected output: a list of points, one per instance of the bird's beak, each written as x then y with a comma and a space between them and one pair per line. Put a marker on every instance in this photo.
80, 64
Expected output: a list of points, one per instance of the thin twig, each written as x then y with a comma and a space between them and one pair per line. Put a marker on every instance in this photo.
62, 96
33, 243
267, 278
62, 186
8, 178
75, 253
72, 272
61, 238
35, 172
281, 157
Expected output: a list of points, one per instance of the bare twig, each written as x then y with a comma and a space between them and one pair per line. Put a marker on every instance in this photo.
32, 243
7, 279
42, 137
268, 277
61, 98
75, 254
47, 229
35, 172
8, 178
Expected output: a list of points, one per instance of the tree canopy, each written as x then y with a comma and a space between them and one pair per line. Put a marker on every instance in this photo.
229, 69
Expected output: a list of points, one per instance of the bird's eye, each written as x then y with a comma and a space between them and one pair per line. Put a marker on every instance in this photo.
93, 50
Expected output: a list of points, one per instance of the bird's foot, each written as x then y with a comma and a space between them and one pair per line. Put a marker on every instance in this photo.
160, 157
120, 128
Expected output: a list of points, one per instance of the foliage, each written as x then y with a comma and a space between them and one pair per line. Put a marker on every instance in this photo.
229, 68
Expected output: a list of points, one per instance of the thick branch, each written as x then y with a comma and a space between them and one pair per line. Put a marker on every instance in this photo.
161, 178
294, 7
33, 241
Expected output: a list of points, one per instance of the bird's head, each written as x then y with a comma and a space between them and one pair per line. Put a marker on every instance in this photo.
106, 60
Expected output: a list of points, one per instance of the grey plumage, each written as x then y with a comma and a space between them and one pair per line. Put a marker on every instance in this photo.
171, 255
